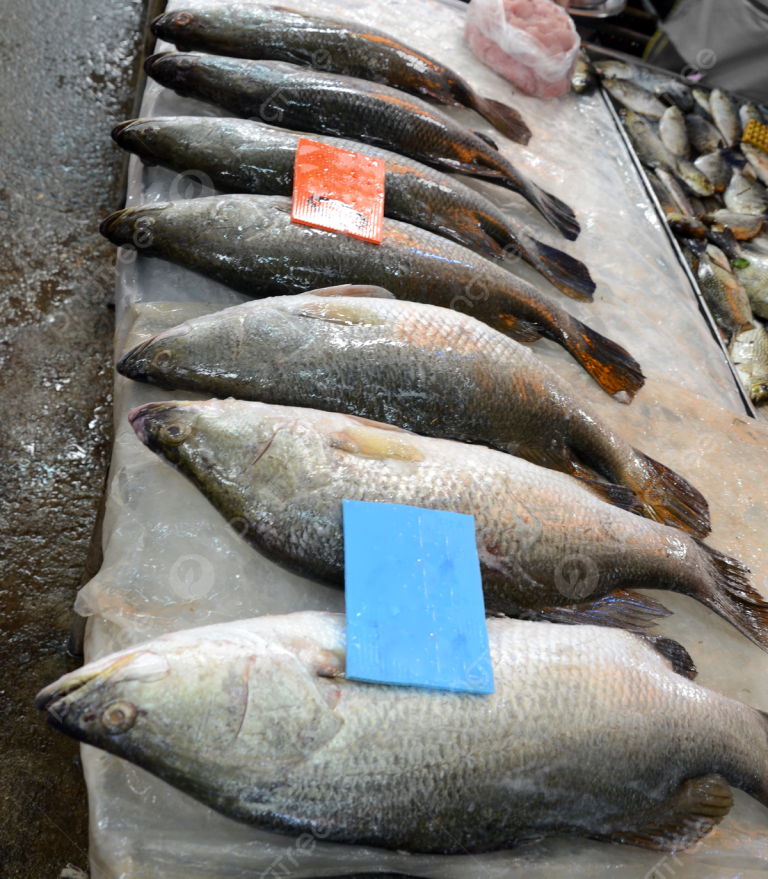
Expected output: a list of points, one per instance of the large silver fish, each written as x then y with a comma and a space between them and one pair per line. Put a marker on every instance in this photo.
342, 106
546, 541
590, 732
251, 157
427, 369
250, 243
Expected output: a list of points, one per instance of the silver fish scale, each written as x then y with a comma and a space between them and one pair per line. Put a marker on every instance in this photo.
585, 728
528, 519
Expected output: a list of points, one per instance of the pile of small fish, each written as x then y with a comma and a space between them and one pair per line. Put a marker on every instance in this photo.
395, 374
711, 186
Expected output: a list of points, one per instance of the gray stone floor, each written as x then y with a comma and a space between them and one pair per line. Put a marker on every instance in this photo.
67, 75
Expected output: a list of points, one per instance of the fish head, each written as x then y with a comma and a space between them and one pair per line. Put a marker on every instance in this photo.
134, 226
190, 705
253, 339
139, 136
182, 28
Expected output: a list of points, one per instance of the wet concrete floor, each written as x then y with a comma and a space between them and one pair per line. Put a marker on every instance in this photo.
67, 75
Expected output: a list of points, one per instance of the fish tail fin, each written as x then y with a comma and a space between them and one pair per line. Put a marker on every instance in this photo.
727, 591
505, 119
619, 610
567, 273
667, 497
555, 212
610, 365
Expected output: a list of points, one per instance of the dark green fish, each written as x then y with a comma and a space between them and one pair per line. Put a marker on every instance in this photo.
250, 243
264, 33
325, 103
589, 732
252, 157
285, 471
427, 369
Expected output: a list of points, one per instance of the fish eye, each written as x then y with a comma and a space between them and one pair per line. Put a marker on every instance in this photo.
176, 432
162, 360
118, 717
145, 222
184, 18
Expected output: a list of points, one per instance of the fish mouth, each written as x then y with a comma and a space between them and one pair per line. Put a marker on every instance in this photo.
156, 412
127, 364
108, 226
169, 69
170, 26
132, 136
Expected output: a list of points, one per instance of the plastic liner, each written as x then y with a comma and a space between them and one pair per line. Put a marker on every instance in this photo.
172, 562
532, 43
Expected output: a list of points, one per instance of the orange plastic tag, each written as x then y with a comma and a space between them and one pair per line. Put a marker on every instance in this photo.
338, 190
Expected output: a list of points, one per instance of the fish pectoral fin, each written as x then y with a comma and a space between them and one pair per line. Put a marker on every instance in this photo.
352, 313
619, 610
616, 495
488, 140
370, 443
678, 822
474, 169
519, 330
676, 655
368, 291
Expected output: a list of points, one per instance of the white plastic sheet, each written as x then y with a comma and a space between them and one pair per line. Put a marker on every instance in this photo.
172, 562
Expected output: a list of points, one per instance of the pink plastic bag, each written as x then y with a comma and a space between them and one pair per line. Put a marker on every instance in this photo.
532, 43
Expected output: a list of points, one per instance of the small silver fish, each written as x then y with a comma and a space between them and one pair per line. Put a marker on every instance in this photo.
743, 226
743, 196
751, 268
673, 133
758, 161
726, 117
648, 146
696, 180
703, 135
749, 111
716, 168
701, 99
749, 352
634, 98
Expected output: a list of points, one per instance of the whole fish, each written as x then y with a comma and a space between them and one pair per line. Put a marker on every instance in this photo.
703, 135
673, 134
743, 196
682, 224
703, 104
758, 161
278, 34
725, 116
634, 98
647, 144
696, 181
716, 168
724, 294
743, 226
676, 192
749, 352
749, 111
252, 157
751, 268
674, 93
386, 360
284, 472
249, 243
325, 103
610, 69
257, 720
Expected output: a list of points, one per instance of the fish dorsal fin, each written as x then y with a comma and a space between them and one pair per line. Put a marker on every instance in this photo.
381, 442
679, 821
367, 291
675, 654
348, 312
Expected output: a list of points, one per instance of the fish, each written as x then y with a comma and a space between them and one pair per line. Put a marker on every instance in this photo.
647, 144
274, 33
682, 224
703, 103
634, 98
249, 243
723, 293
284, 472
290, 743
749, 353
251, 157
437, 372
342, 106
743, 196
704, 137
743, 226
673, 134
674, 93
716, 168
613, 70
758, 160
725, 116
751, 268
749, 111
584, 77
696, 181
676, 192
724, 239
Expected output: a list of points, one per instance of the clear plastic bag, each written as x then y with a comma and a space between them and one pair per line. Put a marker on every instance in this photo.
532, 43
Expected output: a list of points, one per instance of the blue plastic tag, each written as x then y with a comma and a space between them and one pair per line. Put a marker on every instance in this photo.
415, 609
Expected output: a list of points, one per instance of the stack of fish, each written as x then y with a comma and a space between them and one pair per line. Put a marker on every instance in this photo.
711, 185
357, 373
